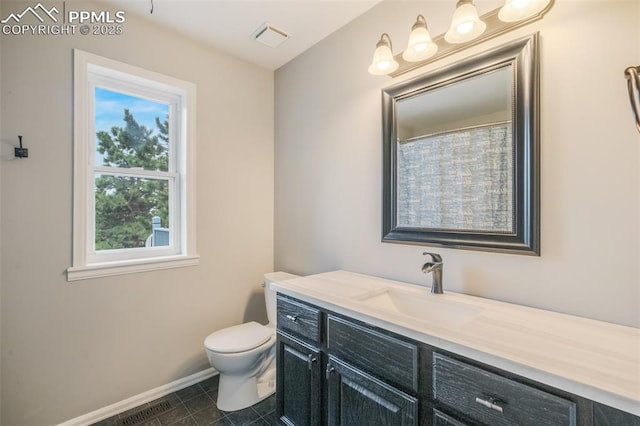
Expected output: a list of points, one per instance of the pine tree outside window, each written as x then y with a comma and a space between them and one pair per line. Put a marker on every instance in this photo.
132, 172
133, 169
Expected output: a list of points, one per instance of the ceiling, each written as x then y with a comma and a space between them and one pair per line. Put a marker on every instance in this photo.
228, 24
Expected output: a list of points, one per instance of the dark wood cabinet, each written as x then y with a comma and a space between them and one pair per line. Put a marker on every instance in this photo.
299, 320
491, 399
392, 359
335, 370
357, 398
299, 368
299, 382
604, 415
442, 419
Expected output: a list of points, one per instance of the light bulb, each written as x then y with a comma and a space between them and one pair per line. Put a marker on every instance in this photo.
383, 65
465, 24
519, 4
383, 62
518, 10
464, 27
420, 45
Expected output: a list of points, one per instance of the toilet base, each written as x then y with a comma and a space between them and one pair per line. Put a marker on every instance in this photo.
236, 393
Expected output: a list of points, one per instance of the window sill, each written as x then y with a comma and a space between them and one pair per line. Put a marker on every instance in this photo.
77, 273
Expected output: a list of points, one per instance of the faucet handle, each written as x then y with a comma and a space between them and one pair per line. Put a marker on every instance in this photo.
434, 256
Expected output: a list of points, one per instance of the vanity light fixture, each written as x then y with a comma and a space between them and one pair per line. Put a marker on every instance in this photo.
516, 10
420, 46
467, 29
383, 62
465, 24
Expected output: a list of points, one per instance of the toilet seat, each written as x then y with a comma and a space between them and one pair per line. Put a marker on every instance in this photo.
238, 338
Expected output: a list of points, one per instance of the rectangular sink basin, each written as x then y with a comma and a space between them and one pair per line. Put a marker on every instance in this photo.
422, 306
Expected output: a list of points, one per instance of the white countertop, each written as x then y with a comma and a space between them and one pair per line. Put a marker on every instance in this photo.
594, 359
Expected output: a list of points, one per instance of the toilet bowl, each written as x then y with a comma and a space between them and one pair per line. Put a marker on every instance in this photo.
244, 356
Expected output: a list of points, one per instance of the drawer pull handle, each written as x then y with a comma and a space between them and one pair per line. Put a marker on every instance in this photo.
292, 317
329, 371
490, 404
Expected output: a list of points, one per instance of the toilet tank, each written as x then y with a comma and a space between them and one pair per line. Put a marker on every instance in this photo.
270, 295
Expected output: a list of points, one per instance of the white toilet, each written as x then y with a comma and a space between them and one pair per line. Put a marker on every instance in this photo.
244, 355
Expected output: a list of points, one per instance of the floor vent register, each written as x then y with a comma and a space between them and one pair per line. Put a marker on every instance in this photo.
145, 413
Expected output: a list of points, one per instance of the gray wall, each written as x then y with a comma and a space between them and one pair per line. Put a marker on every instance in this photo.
71, 348
329, 158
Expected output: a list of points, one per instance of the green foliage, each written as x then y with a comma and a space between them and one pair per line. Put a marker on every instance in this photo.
124, 205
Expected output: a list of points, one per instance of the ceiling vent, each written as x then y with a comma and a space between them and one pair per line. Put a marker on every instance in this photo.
269, 35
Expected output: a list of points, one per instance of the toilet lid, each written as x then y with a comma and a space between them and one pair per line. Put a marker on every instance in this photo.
238, 338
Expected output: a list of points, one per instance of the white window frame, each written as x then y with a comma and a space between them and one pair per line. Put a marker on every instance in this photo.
91, 71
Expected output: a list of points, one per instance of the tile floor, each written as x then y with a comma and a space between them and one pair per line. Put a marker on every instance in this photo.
194, 406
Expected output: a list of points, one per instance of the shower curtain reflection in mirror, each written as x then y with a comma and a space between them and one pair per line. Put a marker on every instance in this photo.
458, 180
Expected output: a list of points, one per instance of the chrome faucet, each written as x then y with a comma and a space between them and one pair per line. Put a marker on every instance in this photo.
435, 267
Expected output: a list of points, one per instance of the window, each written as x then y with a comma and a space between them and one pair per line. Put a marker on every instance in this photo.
133, 169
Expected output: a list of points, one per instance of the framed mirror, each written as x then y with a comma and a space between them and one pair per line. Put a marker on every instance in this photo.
461, 154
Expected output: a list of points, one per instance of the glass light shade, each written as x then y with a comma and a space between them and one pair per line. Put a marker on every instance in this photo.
383, 62
517, 10
420, 45
465, 24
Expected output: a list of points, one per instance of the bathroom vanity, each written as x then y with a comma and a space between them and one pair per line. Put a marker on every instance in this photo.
359, 350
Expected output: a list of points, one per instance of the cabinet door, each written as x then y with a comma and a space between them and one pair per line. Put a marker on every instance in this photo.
442, 419
607, 416
299, 375
356, 398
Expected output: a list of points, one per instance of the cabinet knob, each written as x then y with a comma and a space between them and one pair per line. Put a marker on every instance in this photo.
292, 317
310, 360
490, 403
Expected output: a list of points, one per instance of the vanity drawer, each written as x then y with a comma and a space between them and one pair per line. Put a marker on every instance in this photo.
299, 319
495, 400
391, 359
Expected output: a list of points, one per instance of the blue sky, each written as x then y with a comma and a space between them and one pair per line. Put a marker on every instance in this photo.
110, 106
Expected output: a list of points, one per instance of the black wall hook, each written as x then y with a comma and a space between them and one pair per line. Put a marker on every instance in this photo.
21, 152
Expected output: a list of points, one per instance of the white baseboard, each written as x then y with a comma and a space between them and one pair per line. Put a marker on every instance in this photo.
134, 401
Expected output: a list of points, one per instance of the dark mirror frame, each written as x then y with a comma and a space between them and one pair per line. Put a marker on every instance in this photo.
522, 54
